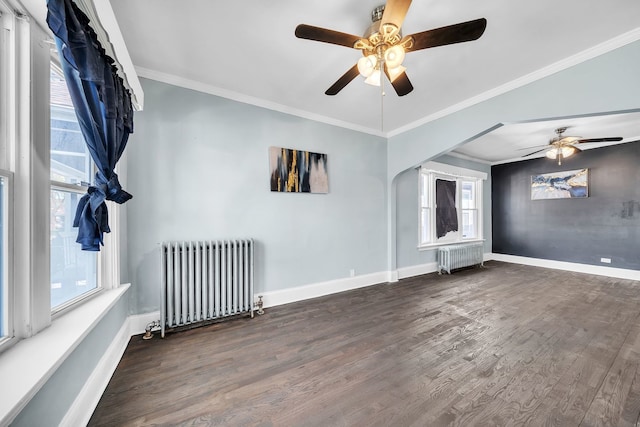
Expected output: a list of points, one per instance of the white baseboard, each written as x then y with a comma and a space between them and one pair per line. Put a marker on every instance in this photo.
85, 403
138, 322
300, 293
619, 273
417, 270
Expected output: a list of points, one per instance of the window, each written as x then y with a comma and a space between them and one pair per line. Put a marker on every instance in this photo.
7, 92
4, 243
74, 272
450, 204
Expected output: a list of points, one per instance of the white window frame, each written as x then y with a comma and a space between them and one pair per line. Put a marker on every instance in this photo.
108, 268
430, 172
25, 148
7, 260
8, 127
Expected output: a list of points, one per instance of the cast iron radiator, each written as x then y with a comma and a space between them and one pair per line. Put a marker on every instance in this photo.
458, 256
205, 280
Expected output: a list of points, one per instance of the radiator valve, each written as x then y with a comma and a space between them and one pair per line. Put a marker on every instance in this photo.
147, 331
260, 304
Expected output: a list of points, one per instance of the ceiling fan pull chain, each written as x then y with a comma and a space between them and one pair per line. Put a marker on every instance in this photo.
381, 101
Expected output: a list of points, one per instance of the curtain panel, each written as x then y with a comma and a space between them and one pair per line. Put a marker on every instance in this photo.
104, 111
446, 212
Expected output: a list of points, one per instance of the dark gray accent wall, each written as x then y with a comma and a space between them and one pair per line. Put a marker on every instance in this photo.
604, 225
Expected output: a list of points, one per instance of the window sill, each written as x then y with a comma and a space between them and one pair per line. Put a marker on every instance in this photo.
30, 363
432, 246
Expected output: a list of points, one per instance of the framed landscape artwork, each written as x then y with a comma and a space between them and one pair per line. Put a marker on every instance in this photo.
296, 171
560, 185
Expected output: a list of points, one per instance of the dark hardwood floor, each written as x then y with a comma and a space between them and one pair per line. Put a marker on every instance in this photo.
505, 345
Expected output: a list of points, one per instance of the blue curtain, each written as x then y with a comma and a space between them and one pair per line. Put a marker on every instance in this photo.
103, 107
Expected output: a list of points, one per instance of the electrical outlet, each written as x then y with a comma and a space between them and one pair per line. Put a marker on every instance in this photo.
606, 260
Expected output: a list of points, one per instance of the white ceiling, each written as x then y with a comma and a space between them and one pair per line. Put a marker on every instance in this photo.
511, 142
246, 50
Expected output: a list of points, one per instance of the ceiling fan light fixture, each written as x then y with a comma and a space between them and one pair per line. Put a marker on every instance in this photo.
553, 153
367, 65
568, 150
564, 152
394, 56
374, 78
394, 73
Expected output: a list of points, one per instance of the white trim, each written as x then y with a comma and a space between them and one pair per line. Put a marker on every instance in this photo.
470, 158
585, 55
246, 99
432, 246
455, 171
417, 270
600, 49
138, 322
619, 273
113, 38
27, 366
393, 276
87, 400
300, 293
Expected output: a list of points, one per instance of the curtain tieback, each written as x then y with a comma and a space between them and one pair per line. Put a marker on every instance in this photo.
92, 217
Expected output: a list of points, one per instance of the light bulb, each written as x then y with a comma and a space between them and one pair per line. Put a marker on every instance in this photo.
394, 56
568, 151
552, 154
395, 72
367, 65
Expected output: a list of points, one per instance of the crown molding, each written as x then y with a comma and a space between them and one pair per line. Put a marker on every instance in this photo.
593, 52
251, 100
571, 61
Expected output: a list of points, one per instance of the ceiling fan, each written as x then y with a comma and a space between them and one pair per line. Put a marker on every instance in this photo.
383, 46
561, 147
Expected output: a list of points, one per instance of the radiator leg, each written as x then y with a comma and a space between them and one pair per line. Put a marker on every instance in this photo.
147, 331
260, 304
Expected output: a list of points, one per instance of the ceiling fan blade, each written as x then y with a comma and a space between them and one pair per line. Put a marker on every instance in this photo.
395, 12
536, 152
535, 146
319, 34
343, 81
402, 85
611, 139
456, 33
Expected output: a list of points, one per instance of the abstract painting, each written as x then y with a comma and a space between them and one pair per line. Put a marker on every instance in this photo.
560, 185
296, 171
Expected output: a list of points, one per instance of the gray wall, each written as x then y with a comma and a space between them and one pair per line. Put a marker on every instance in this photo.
407, 212
53, 400
606, 224
198, 169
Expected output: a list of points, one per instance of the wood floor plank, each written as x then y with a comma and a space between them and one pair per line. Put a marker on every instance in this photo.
504, 345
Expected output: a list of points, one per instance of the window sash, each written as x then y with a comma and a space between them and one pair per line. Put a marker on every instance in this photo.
71, 269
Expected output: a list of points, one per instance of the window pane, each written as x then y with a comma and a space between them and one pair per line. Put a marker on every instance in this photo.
469, 224
424, 227
424, 187
3, 262
468, 195
73, 271
70, 159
